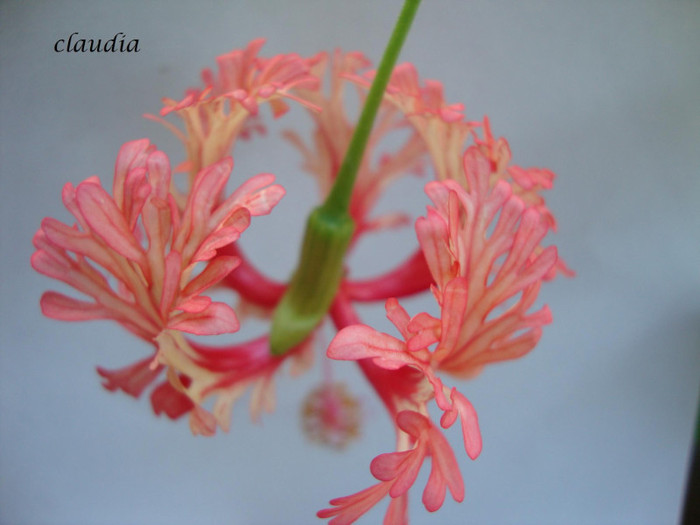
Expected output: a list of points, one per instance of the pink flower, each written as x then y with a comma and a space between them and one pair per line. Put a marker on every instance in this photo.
155, 287
374, 350
477, 271
217, 114
142, 262
481, 247
147, 256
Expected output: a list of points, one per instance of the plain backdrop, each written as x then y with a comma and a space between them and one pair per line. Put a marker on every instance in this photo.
593, 427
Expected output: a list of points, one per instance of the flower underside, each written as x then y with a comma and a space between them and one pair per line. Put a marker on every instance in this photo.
147, 255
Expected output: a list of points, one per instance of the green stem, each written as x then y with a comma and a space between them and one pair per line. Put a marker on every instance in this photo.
339, 197
330, 228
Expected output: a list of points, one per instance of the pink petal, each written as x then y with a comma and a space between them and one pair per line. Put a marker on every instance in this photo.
387, 467
106, 220
445, 471
252, 195
398, 316
220, 238
207, 188
426, 329
350, 508
409, 471
136, 191
67, 238
68, 197
218, 318
171, 281
58, 306
397, 513
194, 304
131, 155
477, 169
400, 467
159, 174
470, 427
64, 270
166, 400
214, 272
435, 489
203, 196
202, 422
361, 342
454, 309
132, 379
156, 218
432, 233
413, 423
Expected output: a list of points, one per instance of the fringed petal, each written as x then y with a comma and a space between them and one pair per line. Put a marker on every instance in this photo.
107, 221
362, 342
216, 319
132, 155
167, 400
58, 306
132, 379
349, 508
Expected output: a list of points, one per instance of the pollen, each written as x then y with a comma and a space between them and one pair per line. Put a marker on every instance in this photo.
331, 416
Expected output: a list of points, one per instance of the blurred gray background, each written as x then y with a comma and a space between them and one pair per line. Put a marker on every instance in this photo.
593, 427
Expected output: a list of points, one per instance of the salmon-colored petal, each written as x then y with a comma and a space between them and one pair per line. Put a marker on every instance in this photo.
362, 342
217, 318
133, 379
131, 155
106, 220
214, 272
58, 306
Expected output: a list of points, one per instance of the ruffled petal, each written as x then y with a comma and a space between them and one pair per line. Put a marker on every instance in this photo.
217, 318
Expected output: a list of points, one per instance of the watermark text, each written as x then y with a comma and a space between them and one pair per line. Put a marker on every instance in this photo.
119, 43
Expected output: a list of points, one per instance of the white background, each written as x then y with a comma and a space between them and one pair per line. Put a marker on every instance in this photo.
593, 427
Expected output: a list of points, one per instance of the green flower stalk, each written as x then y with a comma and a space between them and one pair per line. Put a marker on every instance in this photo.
329, 228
